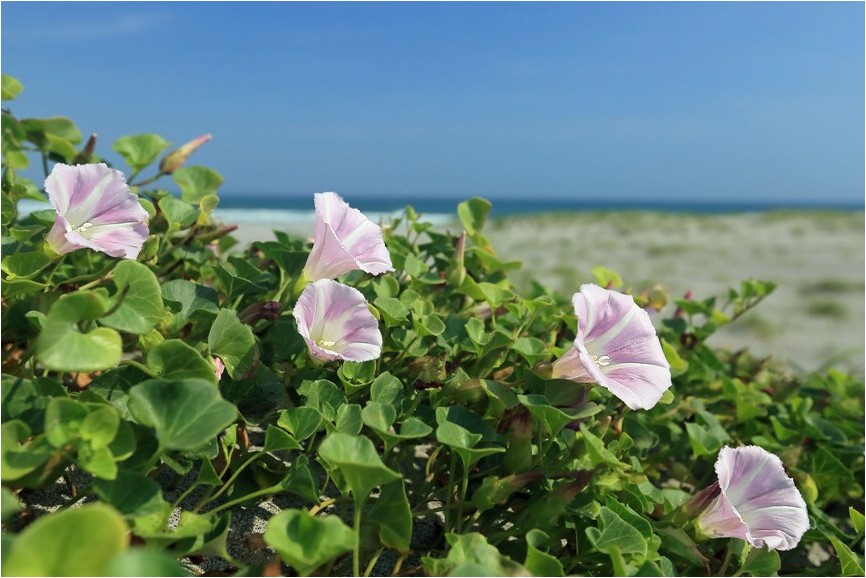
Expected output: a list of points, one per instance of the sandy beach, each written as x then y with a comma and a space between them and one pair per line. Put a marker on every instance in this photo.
814, 319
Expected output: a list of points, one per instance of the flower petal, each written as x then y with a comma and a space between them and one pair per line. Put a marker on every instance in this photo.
763, 496
95, 210
345, 240
616, 346
336, 322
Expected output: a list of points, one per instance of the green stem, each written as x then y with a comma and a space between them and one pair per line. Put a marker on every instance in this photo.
356, 553
140, 366
228, 483
727, 561
145, 181
372, 563
54, 270
246, 498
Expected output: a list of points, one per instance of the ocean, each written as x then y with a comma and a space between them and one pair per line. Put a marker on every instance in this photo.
247, 209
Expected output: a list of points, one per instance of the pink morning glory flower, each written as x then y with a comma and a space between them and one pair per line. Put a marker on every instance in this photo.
336, 322
345, 240
95, 210
616, 347
754, 500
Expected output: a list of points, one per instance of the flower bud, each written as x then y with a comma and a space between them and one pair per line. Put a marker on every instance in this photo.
84, 155
269, 310
176, 158
457, 274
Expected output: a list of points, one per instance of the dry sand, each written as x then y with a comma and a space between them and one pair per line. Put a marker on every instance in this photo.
814, 319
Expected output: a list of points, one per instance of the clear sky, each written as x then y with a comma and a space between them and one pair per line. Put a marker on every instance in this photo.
667, 101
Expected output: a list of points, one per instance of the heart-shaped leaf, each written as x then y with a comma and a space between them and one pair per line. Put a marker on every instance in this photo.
196, 182
306, 542
63, 346
79, 542
233, 342
140, 299
356, 459
185, 414
139, 150
174, 359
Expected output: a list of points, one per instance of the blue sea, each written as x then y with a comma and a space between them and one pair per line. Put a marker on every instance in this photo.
244, 209
253, 208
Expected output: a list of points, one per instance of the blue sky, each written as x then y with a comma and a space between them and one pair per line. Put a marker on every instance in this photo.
664, 101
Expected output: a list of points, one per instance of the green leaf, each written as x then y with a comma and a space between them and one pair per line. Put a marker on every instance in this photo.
63, 346
606, 277
277, 440
678, 365
764, 562
26, 400
140, 299
393, 516
10, 504
179, 214
473, 214
132, 493
598, 454
463, 442
852, 565
174, 359
139, 150
301, 422
196, 182
145, 562
856, 520
349, 419
356, 459
234, 343
531, 349
195, 301
614, 532
299, 480
306, 542
393, 311
537, 562
25, 265
257, 397
185, 413
79, 542
100, 426
11, 87
63, 420
471, 555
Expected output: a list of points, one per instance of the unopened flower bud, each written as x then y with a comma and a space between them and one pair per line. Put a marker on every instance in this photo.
268, 310
86, 154
457, 274
176, 158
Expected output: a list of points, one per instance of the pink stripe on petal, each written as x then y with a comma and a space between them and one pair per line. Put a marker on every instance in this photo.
345, 240
755, 490
616, 346
97, 209
336, 323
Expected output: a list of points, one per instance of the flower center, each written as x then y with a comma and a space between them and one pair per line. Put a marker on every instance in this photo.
83, 228
325, 344
601, 360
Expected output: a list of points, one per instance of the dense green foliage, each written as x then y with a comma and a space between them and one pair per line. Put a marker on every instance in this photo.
108, 369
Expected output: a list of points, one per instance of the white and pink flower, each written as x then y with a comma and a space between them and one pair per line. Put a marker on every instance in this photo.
616, 347
345, 240
336, 323
95, 210
753, 500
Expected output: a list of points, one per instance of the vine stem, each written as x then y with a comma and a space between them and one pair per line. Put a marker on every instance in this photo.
373, 561
246, 498
356, 552
228, 483
321, 506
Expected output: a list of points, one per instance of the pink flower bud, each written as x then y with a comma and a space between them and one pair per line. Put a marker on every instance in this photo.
176, 158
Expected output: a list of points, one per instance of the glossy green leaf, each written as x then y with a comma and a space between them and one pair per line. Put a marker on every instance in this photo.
139, 150
63, 345
358, 463
613, 531
393, 517
139, 296
301, 422
473, 214
185, 413
196, 182
852, 564
145, 562
234, 343
131, 493
11, 87
306, 542
78, 542
539, 562
173, 359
